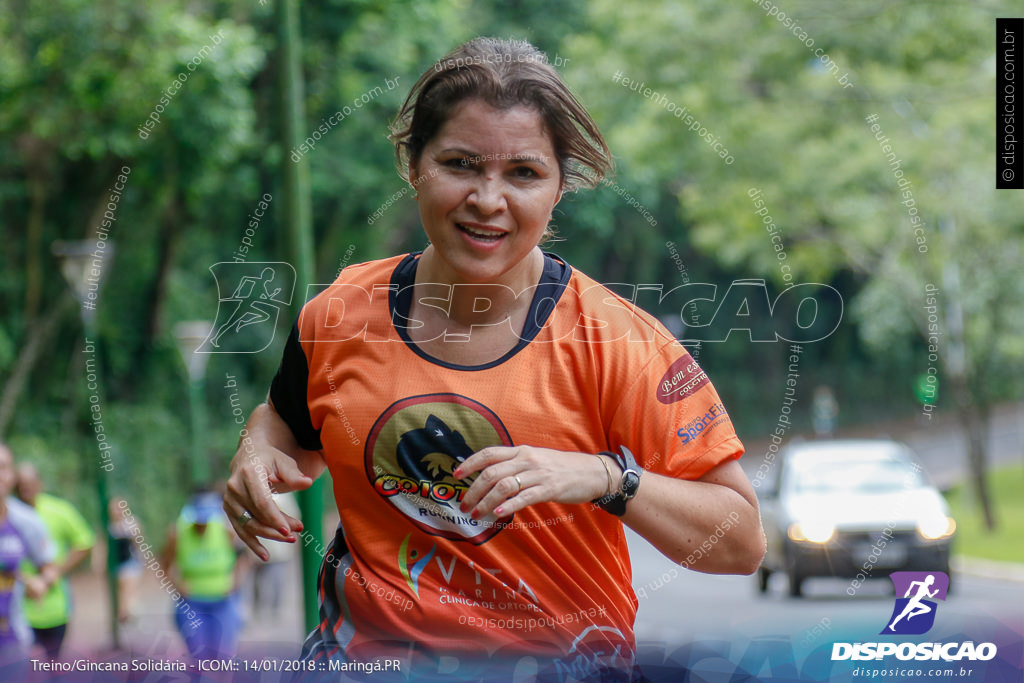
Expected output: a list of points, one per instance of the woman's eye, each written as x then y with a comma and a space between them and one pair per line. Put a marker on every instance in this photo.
525, 172
458, 162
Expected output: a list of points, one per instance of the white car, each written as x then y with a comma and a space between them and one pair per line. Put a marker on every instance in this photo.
858, 509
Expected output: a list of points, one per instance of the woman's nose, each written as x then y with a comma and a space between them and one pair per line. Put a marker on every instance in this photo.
487, 196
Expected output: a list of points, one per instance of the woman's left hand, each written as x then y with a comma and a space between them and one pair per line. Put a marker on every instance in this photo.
513, 477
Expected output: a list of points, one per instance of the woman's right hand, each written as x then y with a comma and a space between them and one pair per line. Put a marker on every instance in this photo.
35, 586
268, 460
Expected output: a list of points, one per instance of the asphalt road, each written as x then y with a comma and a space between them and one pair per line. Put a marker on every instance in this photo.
718, 625
695, 606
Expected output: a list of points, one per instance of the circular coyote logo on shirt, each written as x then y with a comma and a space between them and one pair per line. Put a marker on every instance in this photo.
412, 450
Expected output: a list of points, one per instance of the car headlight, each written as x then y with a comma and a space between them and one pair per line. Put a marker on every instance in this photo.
934, 528
813, 532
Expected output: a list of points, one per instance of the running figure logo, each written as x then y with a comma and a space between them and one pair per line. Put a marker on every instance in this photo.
247, 318
914, 613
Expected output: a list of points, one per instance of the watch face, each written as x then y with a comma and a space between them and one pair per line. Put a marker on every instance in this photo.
630, 484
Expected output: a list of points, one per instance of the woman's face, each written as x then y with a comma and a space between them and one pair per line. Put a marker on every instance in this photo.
487, 183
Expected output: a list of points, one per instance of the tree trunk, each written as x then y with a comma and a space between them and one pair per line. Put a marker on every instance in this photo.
167, 246
168, 238
974, 419
33, 241
37, 339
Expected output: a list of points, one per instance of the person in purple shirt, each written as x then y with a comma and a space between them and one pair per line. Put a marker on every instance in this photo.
22, 535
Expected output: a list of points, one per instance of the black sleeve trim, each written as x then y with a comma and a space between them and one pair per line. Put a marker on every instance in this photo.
288, 393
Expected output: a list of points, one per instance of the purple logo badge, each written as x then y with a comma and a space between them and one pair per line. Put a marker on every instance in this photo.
914, 613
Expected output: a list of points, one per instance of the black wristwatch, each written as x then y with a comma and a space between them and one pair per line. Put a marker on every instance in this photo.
615, 502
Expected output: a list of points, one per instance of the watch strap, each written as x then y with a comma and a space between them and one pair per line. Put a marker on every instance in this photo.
615, 503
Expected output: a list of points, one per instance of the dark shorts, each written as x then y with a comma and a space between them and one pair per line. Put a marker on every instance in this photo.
51, 639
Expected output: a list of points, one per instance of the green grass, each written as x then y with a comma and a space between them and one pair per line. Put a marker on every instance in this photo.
972, 539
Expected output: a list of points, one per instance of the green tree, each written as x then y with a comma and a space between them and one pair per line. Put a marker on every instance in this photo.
801, 137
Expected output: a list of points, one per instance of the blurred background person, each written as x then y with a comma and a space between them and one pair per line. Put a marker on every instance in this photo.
22, 536
201, 557
129, 558
824, 412
73, 540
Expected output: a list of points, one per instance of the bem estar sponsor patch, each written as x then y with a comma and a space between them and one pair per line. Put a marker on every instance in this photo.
683, 378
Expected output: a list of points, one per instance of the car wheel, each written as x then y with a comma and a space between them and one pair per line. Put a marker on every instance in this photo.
796, 583
796, 579
762, 579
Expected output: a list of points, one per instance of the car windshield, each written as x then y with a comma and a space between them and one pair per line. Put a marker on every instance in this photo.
854, 476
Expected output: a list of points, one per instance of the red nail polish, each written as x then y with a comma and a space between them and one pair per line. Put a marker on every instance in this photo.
499, 511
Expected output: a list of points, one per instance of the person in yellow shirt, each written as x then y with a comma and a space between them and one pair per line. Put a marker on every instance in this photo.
201, 557
73, 539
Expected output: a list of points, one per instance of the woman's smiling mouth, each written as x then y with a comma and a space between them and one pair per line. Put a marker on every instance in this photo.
481, 233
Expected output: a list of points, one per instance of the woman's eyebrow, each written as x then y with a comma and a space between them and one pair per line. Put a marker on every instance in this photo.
459, 150
532, 158
514, 158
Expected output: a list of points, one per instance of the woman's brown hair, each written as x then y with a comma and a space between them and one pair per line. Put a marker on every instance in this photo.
504, 74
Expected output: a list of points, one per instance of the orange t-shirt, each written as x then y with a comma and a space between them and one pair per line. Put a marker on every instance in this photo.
592, 373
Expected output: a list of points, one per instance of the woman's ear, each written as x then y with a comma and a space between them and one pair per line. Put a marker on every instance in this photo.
561, 185
414, 177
